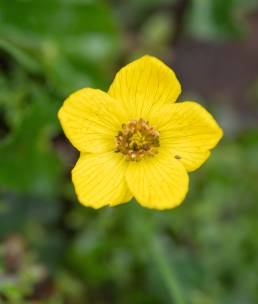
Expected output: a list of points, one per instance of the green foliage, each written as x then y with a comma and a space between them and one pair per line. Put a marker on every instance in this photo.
55, 251
71, 42
218, 19
31, 118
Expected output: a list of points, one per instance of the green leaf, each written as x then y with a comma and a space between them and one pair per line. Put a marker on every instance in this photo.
27, 161
73, 41
215, 20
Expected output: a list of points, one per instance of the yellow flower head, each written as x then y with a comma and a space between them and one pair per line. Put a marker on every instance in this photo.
135, 141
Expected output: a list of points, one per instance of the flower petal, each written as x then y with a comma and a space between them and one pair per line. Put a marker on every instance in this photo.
158, 182
143, 85
91, 119
127, 197
188, 131
99, 179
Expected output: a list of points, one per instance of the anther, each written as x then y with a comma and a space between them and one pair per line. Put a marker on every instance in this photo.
137, 139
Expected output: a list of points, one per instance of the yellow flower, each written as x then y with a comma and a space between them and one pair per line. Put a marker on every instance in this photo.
135, 141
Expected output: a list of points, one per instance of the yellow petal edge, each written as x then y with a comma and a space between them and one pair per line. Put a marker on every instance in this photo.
144, 85
188, 131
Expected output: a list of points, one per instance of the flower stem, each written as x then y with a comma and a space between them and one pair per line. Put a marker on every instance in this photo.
166, 271
145, 228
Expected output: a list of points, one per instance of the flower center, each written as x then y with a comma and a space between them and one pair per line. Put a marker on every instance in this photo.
137, 139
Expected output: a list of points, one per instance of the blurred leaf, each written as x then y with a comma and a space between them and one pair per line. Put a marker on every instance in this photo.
22, 57
73, 41
156, 33
26, 160
217, 20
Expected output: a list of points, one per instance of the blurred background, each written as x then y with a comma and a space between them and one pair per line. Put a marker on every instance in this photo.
55, 251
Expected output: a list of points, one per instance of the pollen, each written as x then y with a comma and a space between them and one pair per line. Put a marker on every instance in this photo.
137, 139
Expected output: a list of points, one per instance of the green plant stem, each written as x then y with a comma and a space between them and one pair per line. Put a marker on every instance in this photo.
166, 271
145, 228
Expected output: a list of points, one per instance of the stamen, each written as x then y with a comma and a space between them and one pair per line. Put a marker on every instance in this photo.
137, 139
